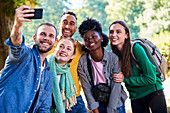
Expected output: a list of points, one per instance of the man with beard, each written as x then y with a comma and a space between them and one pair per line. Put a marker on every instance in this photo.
26, 80
67, 27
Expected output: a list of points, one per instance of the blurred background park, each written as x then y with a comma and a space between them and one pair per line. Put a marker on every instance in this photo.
146, 19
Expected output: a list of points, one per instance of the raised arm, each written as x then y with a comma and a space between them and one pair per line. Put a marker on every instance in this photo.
16, 36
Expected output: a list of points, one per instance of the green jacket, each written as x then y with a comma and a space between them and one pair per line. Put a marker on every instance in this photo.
140, 85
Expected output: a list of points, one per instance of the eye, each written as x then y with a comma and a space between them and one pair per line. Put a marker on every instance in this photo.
93, 37
51, 36
64, 23
61, 46
69, 49
72, 23
42, 34
118, 31
111, 32
86, 39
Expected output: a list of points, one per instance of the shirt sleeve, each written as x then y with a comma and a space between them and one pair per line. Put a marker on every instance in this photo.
87, 88
148, 75
16, 53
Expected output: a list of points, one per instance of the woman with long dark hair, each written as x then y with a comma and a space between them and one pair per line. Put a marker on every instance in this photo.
145, 88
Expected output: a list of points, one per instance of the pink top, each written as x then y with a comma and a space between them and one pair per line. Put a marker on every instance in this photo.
98, 76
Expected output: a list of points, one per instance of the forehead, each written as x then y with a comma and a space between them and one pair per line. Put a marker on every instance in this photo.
116, 26
91, 32
66, 42
47, 29
68, 17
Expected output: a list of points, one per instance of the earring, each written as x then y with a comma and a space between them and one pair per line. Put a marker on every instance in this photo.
101, 40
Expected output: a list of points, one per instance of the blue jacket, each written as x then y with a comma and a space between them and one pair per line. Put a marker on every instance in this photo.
22, 89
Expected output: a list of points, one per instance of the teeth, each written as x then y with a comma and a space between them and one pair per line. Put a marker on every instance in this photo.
67, 31
92, 44
114, 39
45, 43
62, 55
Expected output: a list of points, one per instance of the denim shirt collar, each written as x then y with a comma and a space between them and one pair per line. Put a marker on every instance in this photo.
37, 52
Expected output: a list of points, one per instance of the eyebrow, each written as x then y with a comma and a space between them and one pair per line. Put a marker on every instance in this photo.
67, 20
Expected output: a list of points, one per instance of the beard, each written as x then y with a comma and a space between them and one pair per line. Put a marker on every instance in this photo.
40, 48
44, 51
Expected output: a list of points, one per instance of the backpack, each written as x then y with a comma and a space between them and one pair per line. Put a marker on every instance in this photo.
154, 55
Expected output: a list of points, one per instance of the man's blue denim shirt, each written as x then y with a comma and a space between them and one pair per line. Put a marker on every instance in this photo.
20, 79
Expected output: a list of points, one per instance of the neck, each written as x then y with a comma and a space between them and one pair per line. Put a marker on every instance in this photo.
120, 48
97, 55
43, 56
60, 62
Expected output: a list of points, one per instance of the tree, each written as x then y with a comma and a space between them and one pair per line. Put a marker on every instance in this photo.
6, 21
155, 18
127, 11
93, 9
7, 12
52, 12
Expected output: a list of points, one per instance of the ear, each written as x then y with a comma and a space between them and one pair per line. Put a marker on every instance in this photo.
34, 37
72, 56
101, 38
76, 28
127, 34
59, 25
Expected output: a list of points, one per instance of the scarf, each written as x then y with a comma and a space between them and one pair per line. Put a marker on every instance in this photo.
66, 86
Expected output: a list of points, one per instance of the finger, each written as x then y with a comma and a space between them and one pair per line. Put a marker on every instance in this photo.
24, 7
25, 20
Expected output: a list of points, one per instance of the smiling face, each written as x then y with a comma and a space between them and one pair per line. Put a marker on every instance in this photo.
64, 51
45, 38
92, 40
68, 25
117, 35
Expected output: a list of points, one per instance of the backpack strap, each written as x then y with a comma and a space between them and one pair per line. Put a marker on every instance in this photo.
133, 58
134, 61
90, 69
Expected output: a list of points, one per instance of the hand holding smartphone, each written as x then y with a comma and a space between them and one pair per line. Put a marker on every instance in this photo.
38, 14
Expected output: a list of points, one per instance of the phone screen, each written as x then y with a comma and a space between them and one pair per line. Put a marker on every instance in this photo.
38, 14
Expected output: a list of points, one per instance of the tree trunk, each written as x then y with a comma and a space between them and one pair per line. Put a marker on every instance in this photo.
7, 12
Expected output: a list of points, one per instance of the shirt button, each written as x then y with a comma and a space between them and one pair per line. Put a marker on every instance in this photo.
39, 67
30, 100
37, 79
25, 112
38, 56
35, 90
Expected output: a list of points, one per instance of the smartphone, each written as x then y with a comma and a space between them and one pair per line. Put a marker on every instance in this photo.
38, 14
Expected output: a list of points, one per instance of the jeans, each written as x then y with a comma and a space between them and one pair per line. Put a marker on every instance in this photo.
154, 102
121, 109
79, 107
103, 108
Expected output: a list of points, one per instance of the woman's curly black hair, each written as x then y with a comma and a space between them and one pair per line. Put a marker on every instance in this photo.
92, 24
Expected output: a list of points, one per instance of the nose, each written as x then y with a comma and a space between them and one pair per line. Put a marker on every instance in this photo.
114, 34
67, 26
46, 38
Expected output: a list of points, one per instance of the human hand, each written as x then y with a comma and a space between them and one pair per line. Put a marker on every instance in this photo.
118, 77
95, 110
1, 71
20, 14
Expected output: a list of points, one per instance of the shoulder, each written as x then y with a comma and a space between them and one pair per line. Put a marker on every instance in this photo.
83, 57
137, 49
109, 55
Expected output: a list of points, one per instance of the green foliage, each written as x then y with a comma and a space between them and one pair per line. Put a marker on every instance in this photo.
155, 17
52, 11
166, 51
127, 11
92, 9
